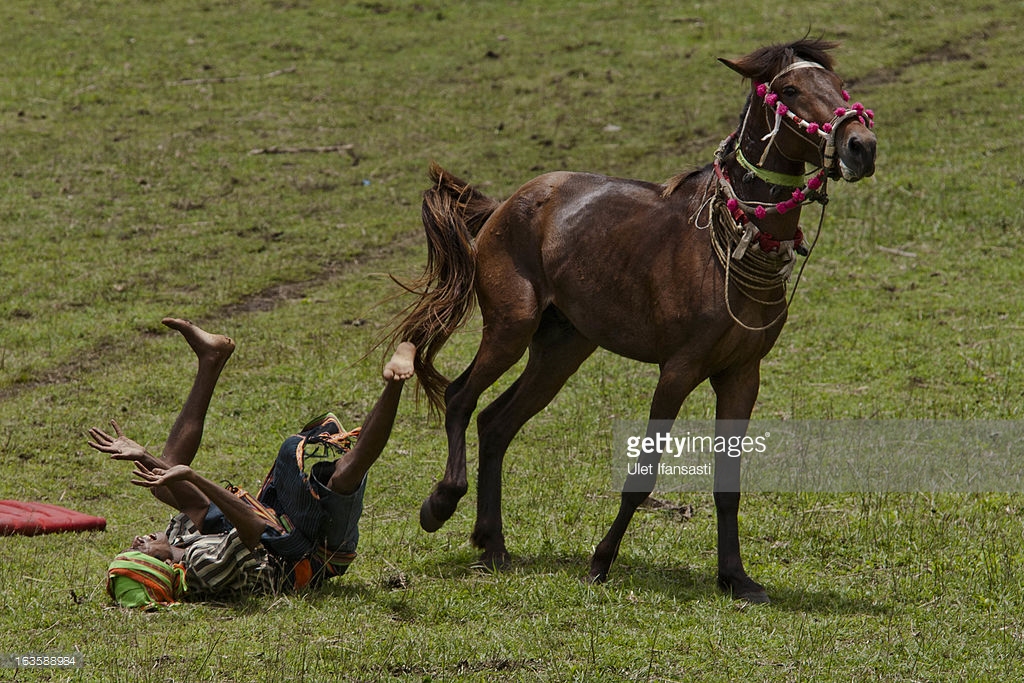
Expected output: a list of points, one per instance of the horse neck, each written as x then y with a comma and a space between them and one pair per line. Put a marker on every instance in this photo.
752, 189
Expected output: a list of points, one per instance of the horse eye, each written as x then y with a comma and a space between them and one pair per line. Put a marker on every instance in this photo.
790, 91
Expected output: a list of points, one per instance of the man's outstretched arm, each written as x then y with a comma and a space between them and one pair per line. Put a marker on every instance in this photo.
180, 495
250, 526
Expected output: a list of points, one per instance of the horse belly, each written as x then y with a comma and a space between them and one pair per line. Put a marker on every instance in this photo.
633, 294
610, 319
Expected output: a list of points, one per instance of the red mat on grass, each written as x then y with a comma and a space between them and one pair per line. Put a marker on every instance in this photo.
30, 519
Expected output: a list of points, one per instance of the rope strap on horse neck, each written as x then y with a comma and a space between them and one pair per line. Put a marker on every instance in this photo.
754, 262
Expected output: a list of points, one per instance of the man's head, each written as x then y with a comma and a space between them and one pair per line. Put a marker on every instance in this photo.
137, 579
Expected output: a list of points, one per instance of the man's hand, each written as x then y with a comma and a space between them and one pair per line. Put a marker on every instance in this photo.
120, 447
158, 476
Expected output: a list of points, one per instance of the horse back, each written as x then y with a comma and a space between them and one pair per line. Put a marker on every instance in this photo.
583, 219
622, 259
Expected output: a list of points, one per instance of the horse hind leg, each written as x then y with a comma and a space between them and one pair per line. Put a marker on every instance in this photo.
556, 352
440, 505
504, 341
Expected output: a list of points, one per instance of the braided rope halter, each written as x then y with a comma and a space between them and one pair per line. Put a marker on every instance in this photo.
763, 263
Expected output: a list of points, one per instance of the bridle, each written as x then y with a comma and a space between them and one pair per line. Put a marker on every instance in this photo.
826, 131
815, 187
734, 233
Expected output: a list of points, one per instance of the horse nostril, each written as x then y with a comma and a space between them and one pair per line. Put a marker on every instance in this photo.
855, 145
861, 151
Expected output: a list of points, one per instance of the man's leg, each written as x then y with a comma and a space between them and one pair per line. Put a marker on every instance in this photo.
376, 430
212, 352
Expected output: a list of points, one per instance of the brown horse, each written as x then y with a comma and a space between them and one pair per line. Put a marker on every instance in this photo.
690, 275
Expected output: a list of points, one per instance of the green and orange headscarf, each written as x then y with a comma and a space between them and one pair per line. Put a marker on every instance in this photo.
136, 579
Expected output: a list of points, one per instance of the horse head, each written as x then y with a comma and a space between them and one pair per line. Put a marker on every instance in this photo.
799, 110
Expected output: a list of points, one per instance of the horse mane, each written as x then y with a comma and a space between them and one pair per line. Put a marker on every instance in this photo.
764, 63
674, 183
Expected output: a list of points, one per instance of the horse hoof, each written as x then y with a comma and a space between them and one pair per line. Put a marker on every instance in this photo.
494, 562
745, 589
428, 521
759, 597
601, 561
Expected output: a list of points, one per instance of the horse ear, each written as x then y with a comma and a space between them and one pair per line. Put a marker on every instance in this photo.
735, 67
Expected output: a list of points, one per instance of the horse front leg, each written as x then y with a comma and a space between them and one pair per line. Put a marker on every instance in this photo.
608, 549
735, 393
673, 388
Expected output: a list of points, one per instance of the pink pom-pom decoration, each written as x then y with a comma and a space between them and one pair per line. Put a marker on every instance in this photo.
783, 207
782, 109
771, 99
798, 196
858, 107
827, 127
814, 183
812, 128
870, 113
840, 111
732, 205
762, 90
760, 212
846, 96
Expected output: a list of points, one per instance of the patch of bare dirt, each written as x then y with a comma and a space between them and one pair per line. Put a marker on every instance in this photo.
950, 51
262, 301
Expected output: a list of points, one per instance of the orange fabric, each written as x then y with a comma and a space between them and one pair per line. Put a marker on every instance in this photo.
303, 574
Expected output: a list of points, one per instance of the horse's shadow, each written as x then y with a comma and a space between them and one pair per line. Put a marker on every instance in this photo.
631, 580
680, 583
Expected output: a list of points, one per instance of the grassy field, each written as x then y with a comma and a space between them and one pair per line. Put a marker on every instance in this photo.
137, 182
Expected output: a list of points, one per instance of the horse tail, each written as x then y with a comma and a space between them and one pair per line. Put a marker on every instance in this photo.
453, 213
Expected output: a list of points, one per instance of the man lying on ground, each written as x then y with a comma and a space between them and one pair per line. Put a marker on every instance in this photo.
298, 531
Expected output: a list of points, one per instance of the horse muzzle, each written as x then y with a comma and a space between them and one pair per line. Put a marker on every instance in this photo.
856, 155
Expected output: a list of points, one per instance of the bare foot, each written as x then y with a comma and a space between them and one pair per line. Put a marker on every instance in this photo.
401, 366
208, 346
